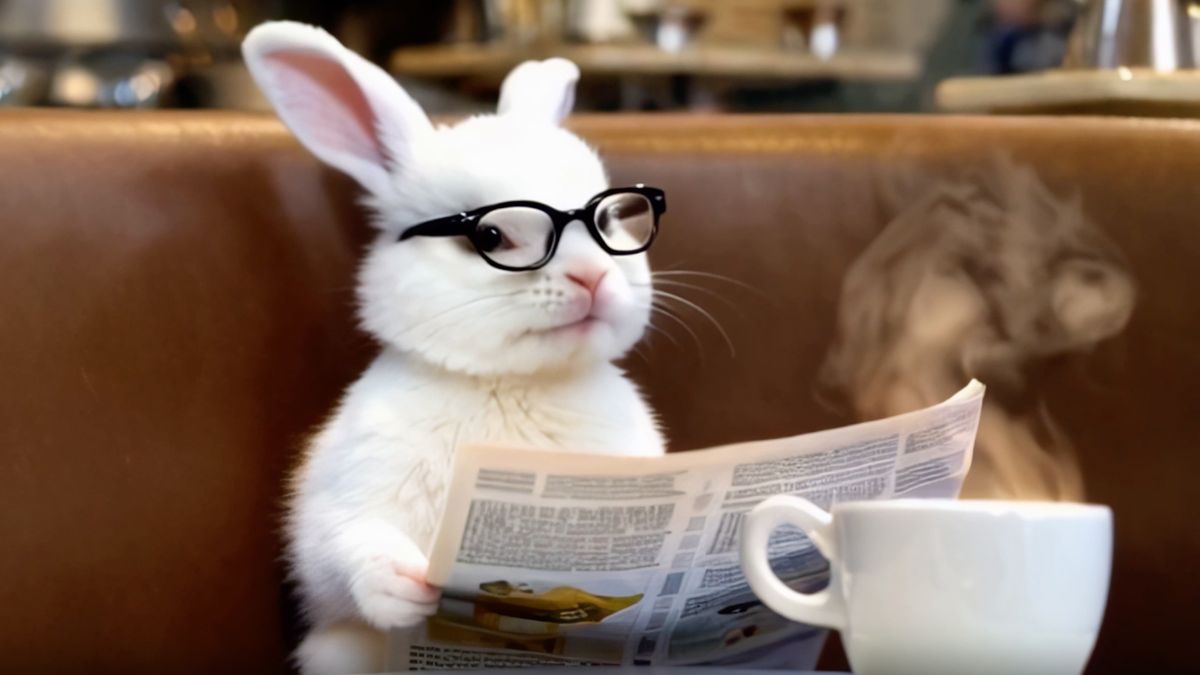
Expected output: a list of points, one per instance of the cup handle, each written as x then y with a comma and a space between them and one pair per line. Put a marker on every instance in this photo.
823, 608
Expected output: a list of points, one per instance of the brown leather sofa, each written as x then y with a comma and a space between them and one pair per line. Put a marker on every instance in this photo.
176, 298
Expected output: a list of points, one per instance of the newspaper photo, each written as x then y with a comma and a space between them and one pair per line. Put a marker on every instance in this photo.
554, 558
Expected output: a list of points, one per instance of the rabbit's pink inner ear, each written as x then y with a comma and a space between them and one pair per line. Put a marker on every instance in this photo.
327, 105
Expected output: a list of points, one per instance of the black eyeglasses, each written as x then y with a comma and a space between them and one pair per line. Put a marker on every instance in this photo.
523, 235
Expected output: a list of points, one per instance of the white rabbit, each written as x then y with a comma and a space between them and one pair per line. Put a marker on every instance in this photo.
470, 353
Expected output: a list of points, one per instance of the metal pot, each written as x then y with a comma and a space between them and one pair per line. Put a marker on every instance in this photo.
1154, 34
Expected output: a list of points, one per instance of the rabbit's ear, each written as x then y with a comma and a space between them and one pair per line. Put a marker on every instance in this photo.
540, 90
344, 109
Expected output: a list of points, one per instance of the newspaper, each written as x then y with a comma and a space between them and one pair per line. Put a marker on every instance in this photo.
549, 558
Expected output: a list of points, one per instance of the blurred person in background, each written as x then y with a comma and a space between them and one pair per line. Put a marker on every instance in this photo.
1023, 36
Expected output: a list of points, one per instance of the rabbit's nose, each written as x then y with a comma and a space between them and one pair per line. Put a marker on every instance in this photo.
589, 279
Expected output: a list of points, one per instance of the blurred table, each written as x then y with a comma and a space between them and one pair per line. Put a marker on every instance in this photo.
478, 60
1120, 91
637, 670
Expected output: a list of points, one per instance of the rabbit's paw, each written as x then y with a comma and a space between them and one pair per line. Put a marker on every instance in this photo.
391, 591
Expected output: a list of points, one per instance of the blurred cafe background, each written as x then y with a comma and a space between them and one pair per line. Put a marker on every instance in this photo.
161, 376
712, 55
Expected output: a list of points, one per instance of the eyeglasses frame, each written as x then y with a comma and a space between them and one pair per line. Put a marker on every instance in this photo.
464, 224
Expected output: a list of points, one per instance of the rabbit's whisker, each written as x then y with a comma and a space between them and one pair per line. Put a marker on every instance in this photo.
703, 289
657, 275
663, 332
663, 310
702, 312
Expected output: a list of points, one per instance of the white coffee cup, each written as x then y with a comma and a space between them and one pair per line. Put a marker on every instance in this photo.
946, 587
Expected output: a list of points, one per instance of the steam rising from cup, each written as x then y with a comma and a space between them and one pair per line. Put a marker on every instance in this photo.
989, 275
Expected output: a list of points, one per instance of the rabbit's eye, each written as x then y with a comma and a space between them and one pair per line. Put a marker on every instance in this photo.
508, 235
489, 238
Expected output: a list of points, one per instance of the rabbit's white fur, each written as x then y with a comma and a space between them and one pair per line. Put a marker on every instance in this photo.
470, 353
